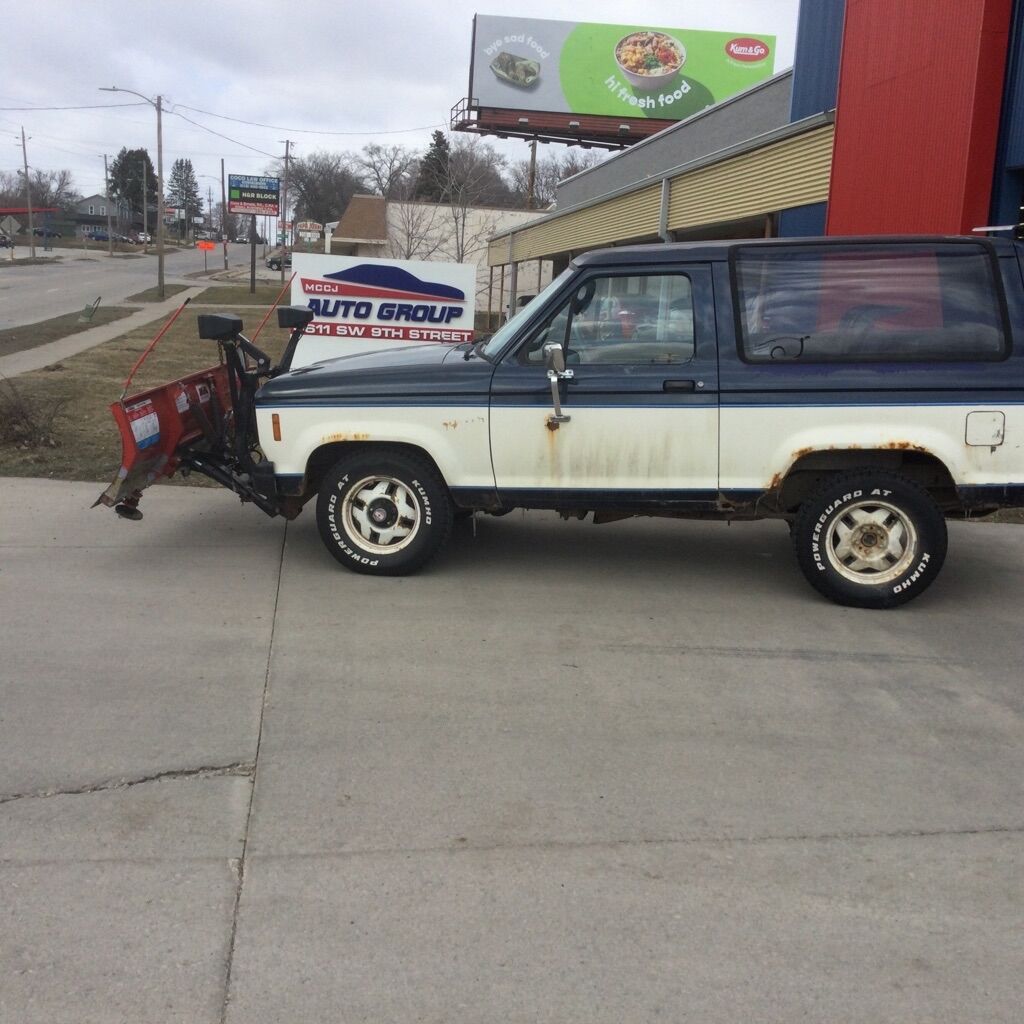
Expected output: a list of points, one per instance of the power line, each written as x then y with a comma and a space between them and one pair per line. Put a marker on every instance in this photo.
305, 131
91, 106
244, 145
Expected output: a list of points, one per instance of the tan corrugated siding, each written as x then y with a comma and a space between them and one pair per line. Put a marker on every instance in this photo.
793, 172
628, 216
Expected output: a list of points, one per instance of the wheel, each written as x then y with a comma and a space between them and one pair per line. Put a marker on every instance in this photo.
870, 539
274, 265
383, 512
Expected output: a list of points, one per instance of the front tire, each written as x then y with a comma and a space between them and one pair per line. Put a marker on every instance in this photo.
870, 539
383, 513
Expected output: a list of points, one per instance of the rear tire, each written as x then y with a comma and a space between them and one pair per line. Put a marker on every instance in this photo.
870, 539
384, 512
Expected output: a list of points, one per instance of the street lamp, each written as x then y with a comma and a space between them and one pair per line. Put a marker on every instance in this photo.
158, 104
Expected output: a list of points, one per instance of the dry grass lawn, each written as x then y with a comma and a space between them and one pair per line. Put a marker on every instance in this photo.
17, 339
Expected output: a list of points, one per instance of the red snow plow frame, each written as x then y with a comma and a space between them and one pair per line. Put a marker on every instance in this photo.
203, 422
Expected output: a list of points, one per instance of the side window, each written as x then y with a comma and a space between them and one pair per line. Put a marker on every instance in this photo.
640, 319
868, 303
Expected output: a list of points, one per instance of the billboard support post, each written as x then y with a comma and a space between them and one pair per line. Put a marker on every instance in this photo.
252, 254
531, 185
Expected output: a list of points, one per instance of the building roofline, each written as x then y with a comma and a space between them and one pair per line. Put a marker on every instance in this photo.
785, 131
680, 125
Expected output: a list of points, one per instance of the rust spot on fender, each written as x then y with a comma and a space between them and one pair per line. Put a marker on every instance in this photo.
330, 438
801, 452
775, 483
903, 446
449, 424
551, 424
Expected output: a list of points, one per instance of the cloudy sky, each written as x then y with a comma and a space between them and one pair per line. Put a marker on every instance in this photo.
385, 71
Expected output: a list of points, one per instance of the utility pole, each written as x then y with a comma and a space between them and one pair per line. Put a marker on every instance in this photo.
145, 207
209, 205
284, 205
28, 201
159, 197
159, 179
531, 184
223, 215
106, 188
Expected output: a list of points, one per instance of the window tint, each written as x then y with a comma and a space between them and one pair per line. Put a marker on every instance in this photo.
641, 319
868, 303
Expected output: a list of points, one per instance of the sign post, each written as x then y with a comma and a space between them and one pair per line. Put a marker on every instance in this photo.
253, 194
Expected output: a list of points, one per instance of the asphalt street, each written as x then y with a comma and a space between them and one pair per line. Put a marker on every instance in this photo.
636, 772
37, 292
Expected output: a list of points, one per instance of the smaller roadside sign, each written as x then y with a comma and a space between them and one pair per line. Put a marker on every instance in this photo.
210, 246
251, 193
309, 225
10, 226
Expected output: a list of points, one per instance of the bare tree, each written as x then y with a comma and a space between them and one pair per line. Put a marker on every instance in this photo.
415, 229
49, 188
388, 170
551, 169
321, 184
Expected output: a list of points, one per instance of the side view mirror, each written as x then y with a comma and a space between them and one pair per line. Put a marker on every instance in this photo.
554, 357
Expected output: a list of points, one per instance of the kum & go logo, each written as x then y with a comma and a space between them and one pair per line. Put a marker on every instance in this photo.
747, 50
381, 301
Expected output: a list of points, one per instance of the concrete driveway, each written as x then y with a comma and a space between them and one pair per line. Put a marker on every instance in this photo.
635, 772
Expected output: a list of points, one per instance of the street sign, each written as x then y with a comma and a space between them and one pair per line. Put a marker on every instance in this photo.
309, 225
9, 226
251, 193
206, 245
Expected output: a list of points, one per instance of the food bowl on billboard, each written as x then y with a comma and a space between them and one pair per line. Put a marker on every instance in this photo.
649, 60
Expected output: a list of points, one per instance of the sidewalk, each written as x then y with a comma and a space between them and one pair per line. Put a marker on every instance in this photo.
54, 351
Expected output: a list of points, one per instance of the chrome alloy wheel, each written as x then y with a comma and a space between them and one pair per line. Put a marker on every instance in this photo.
382, 513
871, 542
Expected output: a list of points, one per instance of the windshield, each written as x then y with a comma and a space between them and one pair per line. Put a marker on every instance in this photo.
497, 341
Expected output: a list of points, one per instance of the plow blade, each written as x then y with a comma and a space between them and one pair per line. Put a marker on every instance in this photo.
157, 428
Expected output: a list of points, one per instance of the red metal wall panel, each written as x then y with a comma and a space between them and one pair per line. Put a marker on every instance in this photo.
920, 87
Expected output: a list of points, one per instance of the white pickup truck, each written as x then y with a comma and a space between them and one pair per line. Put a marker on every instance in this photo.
860, 389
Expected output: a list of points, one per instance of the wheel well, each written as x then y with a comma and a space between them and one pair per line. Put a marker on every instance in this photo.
328, 454
923, 468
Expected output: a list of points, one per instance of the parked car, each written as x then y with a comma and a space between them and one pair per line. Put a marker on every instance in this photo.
859, 390
143, 238
274, 260
46, 233
97, 236
5, 242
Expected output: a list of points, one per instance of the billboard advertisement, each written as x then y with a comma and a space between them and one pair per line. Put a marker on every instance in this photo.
611, 70
252, 193
361, 304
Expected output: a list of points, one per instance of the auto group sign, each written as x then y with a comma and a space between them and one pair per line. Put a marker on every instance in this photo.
363, 304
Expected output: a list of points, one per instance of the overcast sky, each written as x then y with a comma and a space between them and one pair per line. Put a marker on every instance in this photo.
385, 71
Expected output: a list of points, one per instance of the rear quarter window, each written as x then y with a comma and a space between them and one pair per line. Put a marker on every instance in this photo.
869, 303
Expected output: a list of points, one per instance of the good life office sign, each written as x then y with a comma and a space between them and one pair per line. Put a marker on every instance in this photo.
251, 193
362, 304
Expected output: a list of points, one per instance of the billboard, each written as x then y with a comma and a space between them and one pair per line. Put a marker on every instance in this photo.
361, 304
252, 193
635, 71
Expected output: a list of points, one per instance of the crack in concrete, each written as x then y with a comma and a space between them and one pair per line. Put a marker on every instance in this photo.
555, 845
243, 768
237, 864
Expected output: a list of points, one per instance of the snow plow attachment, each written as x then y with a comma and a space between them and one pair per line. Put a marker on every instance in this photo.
203, 422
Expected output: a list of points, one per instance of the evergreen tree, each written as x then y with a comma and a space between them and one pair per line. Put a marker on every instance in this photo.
126, 172
183, 191
432, 182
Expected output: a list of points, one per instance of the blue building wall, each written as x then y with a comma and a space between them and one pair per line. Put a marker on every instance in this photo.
819, 41
1008, 185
